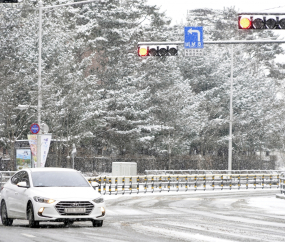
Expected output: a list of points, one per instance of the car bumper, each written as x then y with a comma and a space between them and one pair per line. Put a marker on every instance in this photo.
48, 212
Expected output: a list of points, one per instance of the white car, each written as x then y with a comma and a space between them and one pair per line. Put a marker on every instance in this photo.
50, 194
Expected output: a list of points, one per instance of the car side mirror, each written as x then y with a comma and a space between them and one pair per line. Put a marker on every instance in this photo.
22, 184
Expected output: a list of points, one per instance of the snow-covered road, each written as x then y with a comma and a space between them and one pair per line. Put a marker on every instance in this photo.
196, 216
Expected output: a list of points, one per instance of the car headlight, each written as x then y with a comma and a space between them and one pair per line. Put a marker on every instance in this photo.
44, 200
98, 200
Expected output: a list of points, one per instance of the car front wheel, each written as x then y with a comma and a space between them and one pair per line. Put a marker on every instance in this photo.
97, 223
4, 215
31, 217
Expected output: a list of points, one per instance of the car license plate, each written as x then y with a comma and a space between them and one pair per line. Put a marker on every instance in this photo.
74, 210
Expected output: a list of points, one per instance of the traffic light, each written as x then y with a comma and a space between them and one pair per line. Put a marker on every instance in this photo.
261, 21
160, 50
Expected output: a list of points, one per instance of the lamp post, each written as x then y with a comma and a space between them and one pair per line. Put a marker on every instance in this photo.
39, 143
39, 157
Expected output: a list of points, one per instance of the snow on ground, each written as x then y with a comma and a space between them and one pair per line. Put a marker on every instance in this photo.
272, 205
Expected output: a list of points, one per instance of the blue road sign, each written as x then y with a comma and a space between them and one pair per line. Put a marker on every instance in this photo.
35, 128
193, 38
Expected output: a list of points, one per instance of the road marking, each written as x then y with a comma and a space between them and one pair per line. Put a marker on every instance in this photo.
29, 235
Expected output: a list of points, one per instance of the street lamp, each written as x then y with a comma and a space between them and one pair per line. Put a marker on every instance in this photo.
40, 69
25, 107
39, 85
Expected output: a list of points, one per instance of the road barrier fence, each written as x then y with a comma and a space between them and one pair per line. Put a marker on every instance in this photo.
282, 183
186, 182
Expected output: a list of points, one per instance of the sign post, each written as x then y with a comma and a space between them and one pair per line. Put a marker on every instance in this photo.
35, 129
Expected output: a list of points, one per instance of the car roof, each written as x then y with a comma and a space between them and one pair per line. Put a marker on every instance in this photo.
48, 169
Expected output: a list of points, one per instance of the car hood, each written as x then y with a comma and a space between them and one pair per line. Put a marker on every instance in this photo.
66, 193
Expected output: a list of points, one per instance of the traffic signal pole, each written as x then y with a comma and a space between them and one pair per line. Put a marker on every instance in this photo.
226, 42
230, 155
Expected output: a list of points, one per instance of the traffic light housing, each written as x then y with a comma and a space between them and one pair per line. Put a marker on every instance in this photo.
157, 50
8, 1
261, 21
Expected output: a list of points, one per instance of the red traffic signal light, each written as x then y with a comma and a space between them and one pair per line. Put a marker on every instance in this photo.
161, 50
261, 21
142, 51
244, 23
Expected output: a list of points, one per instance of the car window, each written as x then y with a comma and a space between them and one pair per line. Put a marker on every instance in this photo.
20, 177
25, 178
16, 178
58, 179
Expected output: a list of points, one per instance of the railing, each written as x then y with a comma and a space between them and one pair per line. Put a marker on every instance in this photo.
4, 176
282, 183
166, 183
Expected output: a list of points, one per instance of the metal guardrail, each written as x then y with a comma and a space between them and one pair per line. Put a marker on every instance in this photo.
4, 176
282, 183
166, 183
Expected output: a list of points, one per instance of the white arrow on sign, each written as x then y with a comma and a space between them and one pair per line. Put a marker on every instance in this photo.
191, 31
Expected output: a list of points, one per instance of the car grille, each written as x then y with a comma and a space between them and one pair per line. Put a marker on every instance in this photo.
74, 204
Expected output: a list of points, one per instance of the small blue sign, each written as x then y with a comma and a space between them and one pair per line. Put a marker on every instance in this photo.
193, 38
34, 128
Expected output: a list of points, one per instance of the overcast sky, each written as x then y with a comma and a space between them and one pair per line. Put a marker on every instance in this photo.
177, 9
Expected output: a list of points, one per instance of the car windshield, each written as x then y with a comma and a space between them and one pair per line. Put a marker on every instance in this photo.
58, 179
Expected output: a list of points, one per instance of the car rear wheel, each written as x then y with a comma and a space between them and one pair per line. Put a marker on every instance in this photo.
4, 215
31, 217
97, 223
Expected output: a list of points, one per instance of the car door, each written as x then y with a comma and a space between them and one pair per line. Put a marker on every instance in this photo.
11, 195
21, 195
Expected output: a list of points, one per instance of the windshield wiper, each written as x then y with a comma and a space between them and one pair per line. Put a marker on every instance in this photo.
41, 186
